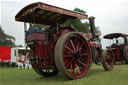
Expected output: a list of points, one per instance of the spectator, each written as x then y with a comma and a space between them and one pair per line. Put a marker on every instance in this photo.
22, 59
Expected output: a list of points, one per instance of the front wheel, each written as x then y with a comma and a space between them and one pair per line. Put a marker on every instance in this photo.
97, 55
108, 60
72, 55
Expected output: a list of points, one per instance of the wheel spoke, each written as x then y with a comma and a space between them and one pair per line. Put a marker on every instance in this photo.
69, 63
68, 56
83, 54
81, 46
78, 69
82, 59
77, 46
72, 45
71, 68
79, 66
68, 48
82, 63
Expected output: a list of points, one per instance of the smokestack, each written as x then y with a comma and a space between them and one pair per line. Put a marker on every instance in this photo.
92, 26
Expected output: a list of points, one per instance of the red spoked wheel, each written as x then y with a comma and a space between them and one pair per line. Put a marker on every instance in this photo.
108, 60
72, 55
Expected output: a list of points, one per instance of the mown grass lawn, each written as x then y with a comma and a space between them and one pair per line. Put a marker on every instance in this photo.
95, 76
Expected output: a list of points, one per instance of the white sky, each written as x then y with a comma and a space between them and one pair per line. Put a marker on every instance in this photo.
111, 15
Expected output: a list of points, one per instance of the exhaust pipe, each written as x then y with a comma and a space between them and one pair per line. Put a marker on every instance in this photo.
92, 26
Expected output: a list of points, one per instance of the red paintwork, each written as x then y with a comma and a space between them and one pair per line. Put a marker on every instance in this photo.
43, 48
37, 36
117, 51
5, 53
88, 36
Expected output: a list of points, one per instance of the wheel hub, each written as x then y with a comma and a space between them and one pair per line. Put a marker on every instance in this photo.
76, 55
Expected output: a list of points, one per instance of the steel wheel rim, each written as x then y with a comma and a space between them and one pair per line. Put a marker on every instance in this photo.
127, 53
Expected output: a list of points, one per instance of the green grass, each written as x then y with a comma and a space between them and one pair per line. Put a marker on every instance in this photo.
95, 76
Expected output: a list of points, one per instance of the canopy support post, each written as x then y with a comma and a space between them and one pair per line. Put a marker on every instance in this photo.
25, 33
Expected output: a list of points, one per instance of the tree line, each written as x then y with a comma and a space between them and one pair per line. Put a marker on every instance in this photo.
7, 40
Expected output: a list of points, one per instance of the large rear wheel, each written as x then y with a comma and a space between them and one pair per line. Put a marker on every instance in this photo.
43, 70
72, 55
108, 60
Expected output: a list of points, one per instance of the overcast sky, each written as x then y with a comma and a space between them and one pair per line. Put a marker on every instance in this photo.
111, 15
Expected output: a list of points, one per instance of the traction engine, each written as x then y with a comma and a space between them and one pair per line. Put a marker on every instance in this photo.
61, 49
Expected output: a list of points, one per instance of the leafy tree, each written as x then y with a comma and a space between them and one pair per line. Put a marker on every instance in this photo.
81, 26
77, 23
6, 40
98, 32
79, 10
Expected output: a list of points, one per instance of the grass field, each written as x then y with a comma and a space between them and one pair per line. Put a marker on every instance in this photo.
95, 76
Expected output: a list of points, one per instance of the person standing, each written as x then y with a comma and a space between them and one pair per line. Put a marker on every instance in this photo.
22, 59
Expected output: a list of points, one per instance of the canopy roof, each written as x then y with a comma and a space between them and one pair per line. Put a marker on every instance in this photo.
115, 35
41, 13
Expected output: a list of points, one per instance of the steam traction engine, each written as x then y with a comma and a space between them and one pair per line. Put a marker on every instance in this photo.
61, 49
119, 46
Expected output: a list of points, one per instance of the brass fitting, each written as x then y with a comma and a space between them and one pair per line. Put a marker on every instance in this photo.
91, 18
